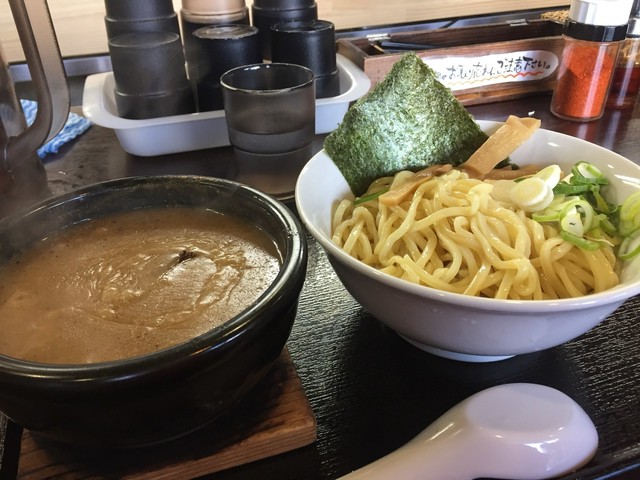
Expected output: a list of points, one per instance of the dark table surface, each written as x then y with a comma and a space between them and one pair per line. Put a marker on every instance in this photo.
370, 390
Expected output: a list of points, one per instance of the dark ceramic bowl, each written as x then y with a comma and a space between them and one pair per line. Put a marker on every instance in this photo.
169, 393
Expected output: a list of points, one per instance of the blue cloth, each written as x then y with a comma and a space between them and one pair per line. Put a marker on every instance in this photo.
76, 125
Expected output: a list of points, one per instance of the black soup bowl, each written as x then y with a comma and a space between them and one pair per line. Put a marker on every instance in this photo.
166, 394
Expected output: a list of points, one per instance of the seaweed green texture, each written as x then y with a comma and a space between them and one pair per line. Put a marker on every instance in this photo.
408, 121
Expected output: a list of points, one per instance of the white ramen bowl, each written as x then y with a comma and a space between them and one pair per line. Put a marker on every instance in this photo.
464, 327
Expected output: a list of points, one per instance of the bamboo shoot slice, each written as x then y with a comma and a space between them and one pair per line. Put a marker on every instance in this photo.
500, 145
396, 195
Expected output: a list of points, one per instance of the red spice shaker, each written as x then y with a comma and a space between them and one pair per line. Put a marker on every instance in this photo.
626, 79
592, 34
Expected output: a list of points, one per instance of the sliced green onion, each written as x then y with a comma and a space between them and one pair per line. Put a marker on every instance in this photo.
532, 194
546, 215
568, 206
601, 204
585, 172
626, 228
550, 175
598, 235
558, 208
586, 212
564, 188
630, 209
630, 246
571, 222
586, 219
602, 221
560, 200
368, 198
579, 242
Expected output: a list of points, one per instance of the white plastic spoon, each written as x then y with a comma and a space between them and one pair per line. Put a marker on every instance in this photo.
515, 431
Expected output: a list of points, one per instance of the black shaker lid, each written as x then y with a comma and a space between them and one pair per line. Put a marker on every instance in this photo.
133, 10
595, 33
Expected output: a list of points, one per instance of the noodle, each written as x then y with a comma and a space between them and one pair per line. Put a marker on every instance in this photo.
452, 235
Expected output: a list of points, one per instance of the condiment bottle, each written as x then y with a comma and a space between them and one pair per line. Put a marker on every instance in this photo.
592, 34
626, 78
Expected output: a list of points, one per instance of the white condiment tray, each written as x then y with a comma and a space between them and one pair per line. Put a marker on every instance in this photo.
196, 131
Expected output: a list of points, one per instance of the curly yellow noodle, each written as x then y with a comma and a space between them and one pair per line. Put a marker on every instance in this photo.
537, 235
572, 287
424, 277
471, 250
448, 254
353, 238
453, 236
606, 277
505, 285
394, 231
479, 281
514, 261
340, 214
429, 242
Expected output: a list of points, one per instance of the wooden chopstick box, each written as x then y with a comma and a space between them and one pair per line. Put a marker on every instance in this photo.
481, 64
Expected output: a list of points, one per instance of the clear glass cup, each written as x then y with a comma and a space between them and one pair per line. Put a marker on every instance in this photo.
269, 107
270, 111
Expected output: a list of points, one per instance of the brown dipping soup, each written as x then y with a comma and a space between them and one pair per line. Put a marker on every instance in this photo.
130, 284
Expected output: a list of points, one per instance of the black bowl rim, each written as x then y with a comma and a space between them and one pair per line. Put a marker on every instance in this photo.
191, 350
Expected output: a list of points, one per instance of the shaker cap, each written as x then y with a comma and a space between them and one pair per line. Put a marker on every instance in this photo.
600, 12
598, 20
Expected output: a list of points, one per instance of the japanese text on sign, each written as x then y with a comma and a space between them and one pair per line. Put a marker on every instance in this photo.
459, 73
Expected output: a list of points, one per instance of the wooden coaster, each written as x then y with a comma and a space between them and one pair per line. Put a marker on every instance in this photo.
275, 419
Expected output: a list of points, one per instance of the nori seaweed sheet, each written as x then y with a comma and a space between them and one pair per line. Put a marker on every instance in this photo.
407, 122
